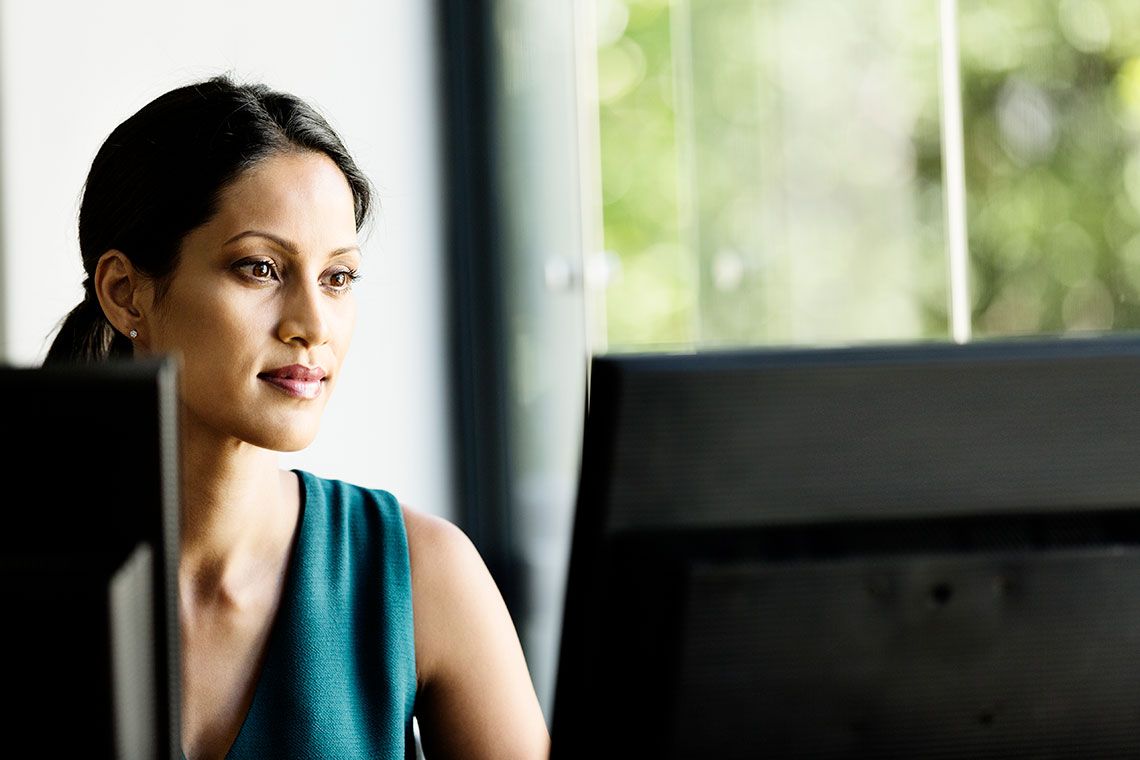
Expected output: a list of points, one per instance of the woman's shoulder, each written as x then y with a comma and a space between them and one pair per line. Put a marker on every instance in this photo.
444, 561
433, 533
428, 535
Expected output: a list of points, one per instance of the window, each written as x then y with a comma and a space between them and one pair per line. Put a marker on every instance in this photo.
776, 171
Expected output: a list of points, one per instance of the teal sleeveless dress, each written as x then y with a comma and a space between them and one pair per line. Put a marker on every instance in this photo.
339, 673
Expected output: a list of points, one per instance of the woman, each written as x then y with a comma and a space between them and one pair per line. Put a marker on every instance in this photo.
219, 225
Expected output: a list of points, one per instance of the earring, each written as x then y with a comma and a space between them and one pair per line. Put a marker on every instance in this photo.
133, 333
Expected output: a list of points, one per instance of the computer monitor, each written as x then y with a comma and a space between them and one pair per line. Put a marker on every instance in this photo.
88, 561
913, 551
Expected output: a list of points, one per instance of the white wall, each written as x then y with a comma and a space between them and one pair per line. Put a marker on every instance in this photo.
71, 71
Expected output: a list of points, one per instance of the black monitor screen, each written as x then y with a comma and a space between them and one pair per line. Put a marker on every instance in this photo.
88, 561
925, 550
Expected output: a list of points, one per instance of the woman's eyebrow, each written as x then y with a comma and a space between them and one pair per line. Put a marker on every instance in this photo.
285, 244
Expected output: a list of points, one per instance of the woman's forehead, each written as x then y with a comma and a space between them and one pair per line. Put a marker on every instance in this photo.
293, 194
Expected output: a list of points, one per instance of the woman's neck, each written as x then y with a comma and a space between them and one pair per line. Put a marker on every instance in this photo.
238, 514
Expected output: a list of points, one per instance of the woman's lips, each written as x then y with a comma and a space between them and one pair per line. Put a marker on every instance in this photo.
296, 380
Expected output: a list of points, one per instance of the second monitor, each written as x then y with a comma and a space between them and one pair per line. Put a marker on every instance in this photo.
899, 551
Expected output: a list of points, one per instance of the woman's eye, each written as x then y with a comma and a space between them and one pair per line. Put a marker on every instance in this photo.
259, 270
342, 279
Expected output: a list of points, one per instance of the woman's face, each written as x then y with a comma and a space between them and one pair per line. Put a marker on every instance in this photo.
260, 308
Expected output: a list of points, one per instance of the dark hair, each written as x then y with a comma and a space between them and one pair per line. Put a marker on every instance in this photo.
159, 175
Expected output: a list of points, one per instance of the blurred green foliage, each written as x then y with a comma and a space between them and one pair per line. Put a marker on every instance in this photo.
1050, 100
772, 172
651, 300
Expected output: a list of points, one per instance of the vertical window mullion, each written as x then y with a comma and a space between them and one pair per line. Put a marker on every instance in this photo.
954, 173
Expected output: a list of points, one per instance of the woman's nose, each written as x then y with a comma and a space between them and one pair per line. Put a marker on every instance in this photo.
303, 319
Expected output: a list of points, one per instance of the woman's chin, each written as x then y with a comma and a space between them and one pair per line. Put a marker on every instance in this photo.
284, 438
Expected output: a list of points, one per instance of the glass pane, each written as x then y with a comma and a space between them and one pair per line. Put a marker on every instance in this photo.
1052, 126
540, 250
771, 171
651, 297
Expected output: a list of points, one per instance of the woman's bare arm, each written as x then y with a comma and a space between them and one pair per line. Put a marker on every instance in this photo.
475, 697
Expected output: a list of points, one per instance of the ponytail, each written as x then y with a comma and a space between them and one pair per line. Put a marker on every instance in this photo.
86, 337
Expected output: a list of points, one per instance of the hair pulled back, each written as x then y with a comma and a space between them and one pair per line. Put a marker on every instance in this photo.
160, 175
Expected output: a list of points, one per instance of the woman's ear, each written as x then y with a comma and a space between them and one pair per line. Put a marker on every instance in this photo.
124, 293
